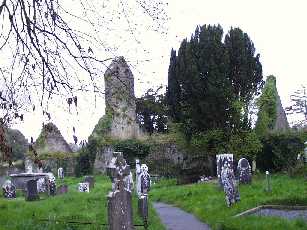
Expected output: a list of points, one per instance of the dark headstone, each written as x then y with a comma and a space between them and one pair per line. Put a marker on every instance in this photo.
90, 180
9, 190
62, 189
32, 193
51, 184
119, 199
244, 171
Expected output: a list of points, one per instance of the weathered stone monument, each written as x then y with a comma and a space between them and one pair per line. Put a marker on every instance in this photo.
221, 161
9, 190
120, 100
119, 199
84, 187
90, 180
42, 184
142, 188
51, 184
229, 184
244, 171
31, 191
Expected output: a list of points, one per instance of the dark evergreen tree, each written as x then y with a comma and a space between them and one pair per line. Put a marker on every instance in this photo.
245, 72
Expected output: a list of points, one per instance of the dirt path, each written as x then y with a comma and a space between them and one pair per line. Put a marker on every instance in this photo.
176, 219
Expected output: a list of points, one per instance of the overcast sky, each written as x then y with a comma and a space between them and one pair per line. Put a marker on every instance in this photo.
277, 28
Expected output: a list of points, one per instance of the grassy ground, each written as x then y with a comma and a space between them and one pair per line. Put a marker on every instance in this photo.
73, 206
207, 202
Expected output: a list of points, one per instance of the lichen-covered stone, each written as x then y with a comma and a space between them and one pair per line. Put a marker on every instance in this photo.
120, 100
244, 171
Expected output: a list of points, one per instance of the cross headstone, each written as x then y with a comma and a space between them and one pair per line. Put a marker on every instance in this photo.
84, 187
229, 185
9, 190
51, 184
32, 193
90, 180
221, 160
119, 199
244, 171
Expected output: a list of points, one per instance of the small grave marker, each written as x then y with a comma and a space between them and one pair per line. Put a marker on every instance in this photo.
244, 171
84, 187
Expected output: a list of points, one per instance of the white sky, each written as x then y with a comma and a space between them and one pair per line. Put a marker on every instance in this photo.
277, 28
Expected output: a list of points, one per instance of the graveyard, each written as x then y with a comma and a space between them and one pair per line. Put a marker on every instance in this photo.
116, 115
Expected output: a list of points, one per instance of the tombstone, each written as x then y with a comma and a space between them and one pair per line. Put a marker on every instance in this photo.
62, 189
51, 185
9, 190
137, 175
84, 187
244, 171
90, 180
119, 199
42, 185
31, 193
60, 173
221, 160
229, 185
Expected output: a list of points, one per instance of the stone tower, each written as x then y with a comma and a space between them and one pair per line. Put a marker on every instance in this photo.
120, 100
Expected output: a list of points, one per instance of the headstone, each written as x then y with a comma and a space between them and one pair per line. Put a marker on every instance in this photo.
143, 179
42, 185
229, 185
84, 187
9, 190
90, 180
305, 152
268, 182
244, 171
62, 189
221, 160
60, 173
119, 199
51, 184
32, 193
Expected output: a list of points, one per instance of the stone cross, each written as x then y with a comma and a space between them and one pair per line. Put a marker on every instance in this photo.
119, 199
51, 184
32, 193
221, 161
244, 171
9, 190
229, 185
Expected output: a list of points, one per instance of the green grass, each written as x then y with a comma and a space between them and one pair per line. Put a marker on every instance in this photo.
207, 202
75, 206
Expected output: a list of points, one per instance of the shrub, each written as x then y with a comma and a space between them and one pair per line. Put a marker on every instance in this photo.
279, 151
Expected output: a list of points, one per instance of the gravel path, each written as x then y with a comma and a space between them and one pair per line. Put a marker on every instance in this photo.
289, 214
176, 219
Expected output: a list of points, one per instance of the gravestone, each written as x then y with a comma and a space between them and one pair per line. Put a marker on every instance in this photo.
221, 160
9, 190
62, 189
90, 180
84, 187
60, 173
51, 184
244, 171
31, 193
119, 199
229, 185
42, 185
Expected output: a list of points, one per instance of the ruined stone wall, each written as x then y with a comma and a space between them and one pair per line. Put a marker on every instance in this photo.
120, 100
281, 123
